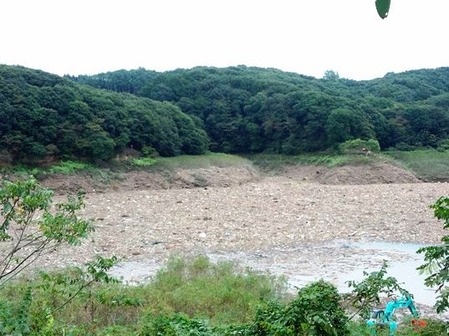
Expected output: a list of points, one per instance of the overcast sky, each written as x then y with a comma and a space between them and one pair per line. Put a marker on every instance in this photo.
302, 36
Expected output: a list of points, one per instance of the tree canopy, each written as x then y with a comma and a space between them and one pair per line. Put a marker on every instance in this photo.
44, 117
234, 110
250, 110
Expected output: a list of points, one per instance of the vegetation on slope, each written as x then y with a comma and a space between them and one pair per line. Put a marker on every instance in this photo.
241, 109
427, 165
254, 110
44, 117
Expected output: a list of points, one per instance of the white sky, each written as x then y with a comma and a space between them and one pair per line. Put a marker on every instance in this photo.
303, 36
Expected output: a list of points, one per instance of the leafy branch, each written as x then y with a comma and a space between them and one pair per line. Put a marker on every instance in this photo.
436, 258
383, 7
30, 225
367, 293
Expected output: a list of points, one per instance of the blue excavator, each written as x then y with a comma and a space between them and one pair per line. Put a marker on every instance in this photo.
384, 318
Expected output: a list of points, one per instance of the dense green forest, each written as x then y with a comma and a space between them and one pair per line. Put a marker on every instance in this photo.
45, 117
247, 109
235, 110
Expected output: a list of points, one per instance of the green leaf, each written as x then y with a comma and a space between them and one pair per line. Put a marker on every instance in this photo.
383, 7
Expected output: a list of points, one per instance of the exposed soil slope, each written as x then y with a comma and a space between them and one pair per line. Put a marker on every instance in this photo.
376, 173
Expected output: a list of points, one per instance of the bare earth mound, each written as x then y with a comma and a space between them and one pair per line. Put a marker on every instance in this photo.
144, 180
359, 174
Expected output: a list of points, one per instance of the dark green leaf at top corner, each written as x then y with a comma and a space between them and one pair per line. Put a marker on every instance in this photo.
383, 7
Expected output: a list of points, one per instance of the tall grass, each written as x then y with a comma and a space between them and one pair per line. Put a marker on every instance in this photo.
62, 167
69, 167
195, 297
430, 165
220, 293
200, 161
277, 161
96, 173
324, 159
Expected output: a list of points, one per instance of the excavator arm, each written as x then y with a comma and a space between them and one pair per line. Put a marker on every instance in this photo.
384, 318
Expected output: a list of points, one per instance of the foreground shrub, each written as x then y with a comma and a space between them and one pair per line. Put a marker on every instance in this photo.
176, 325
46, 304
359, 146
315, 311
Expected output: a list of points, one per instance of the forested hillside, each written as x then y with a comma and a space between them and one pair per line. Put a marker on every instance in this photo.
241, 109
246, 109
44, 117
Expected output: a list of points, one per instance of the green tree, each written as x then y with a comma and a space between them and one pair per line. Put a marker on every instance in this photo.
315, 311
343, 124
331, 75
46, 117
436, 258
242, 109
97, 142
368, 293
338, 125
31, 226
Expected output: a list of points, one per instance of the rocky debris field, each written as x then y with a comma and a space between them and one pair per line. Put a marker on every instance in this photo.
304, 223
